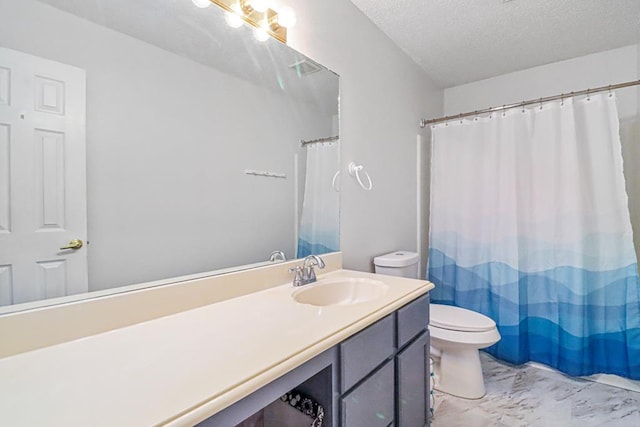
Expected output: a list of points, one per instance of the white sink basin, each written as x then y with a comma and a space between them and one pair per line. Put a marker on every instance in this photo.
345, 291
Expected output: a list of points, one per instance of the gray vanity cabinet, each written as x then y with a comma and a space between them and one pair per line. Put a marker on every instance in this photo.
384, 376
413, 319
365, 351
367, 376
412, 363
413, 383
371, 403
377, 378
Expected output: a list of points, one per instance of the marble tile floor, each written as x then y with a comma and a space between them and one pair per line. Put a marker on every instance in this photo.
529, 396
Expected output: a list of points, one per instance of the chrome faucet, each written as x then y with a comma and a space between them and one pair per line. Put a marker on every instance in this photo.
275, 255
306, 274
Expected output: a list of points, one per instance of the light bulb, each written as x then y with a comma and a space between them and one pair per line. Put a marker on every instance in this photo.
202, 3
287, 17
233, 19
260, 34
259, 5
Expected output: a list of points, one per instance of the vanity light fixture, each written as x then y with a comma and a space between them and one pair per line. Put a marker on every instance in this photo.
267, 22
258, 5
260, 34
234, 19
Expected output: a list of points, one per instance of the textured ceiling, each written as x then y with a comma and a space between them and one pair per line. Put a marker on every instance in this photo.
459, 41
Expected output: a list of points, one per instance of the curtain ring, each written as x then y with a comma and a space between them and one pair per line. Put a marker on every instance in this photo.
562, 99
589, 94
540, 103
610, 94
523, 107
503, 109
476, 117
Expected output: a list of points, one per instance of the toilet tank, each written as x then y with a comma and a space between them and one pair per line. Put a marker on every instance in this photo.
399, 263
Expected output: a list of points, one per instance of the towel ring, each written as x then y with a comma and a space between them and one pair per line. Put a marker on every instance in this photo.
355, 170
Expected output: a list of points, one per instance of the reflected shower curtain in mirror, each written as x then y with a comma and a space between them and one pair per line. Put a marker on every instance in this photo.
319, 232
530, 226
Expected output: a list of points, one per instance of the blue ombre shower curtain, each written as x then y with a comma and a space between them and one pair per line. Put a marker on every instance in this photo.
530, 226
318, 233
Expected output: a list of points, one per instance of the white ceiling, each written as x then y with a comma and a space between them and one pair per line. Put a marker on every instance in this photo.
459, 41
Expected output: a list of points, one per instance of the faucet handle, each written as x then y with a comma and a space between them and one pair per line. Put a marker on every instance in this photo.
297, 279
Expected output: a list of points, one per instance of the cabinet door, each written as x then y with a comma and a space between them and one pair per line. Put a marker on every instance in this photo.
371, 404
413, 318
362, 353
413, 383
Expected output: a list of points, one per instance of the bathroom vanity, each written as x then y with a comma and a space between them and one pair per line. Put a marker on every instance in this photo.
378, 377
222, 362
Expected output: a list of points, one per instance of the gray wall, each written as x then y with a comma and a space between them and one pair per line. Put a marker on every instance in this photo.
166, 151
383, 96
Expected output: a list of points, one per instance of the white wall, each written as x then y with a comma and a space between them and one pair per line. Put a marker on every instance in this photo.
383, 96
161, 147
600, 69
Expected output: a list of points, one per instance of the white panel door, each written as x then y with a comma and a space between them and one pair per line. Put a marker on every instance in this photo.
42, 178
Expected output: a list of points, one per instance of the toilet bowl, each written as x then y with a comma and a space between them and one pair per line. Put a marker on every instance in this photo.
456, 336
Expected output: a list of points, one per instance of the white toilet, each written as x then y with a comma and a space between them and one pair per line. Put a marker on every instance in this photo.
456, 334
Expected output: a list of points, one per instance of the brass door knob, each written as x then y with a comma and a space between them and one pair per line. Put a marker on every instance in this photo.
74, 244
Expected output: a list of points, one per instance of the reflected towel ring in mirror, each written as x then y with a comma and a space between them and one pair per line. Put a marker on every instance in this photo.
355, 170
334, 182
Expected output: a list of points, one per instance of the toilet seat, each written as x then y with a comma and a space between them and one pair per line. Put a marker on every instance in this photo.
448, 337
459, 319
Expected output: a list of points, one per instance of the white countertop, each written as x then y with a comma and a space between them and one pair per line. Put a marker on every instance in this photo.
180, 369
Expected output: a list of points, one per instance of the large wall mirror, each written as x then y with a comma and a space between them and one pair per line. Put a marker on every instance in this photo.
146, 140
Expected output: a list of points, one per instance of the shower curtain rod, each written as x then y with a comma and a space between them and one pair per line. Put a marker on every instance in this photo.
425, 122
315, 141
